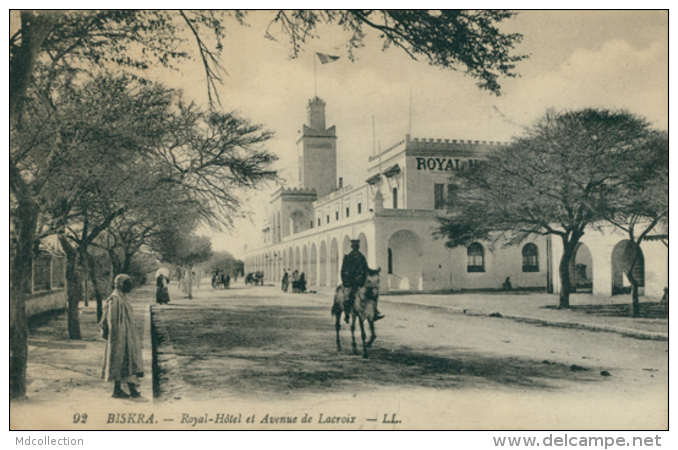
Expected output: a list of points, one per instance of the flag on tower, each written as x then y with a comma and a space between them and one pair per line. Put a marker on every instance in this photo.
326, 59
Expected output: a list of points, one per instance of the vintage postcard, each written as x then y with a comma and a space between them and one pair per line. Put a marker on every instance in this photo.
339, 220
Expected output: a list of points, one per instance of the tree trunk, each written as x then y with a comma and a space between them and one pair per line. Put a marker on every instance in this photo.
190, 282
25, 221
115, 268
73, 288
127, 263
86, 262
564, 272
34, 29
635, 301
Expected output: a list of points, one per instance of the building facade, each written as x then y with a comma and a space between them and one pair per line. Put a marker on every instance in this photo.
393, 214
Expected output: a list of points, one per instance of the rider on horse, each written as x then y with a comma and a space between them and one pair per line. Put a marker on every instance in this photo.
354, 276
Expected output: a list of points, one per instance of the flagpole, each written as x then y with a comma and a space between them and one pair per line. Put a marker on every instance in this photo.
410, 127
315, 76
374, 138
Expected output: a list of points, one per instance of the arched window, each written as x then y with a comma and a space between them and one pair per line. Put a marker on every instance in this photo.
476, 258
530, 258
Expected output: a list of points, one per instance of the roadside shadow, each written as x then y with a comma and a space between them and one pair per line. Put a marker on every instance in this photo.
282, 351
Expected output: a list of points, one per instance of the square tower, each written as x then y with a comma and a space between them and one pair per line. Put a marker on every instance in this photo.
317, 150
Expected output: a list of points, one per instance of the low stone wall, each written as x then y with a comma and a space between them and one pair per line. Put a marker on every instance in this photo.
46, 301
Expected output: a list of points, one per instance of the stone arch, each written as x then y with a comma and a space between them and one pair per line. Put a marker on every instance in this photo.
363, 246
334, 262
297, 259
323, 264
304, 261
622, 257
313, 272
290, 260
406, 260
581, 269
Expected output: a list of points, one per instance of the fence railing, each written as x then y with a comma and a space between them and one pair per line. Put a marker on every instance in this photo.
49, 272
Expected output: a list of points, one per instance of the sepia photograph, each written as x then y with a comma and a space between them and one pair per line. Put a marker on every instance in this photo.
342, 220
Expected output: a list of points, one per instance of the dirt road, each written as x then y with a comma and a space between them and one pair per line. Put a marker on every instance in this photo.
258, 346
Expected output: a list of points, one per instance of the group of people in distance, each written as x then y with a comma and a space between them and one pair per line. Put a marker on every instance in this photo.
298, 281
222, 279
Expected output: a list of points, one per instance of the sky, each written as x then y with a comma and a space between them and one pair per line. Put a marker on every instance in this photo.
577, 59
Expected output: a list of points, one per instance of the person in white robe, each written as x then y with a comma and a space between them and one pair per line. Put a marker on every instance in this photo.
122, 357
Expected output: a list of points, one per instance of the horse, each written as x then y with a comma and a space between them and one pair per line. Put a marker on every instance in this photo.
364, 307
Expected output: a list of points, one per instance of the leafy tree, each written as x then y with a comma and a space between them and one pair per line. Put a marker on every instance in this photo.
460, 40
66, 41
53, 48
101, 133
60, 44
182, 248
113, 149
57, 49
142, 263
129, 232
130, 160
562, 176
208, 156
643, 203
223, 262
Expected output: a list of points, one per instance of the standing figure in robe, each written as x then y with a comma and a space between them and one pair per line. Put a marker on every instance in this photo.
122, 357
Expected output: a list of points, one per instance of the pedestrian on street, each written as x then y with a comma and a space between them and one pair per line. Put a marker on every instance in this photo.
122, 356
295, 281
162, 289
302, 282
285, 281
